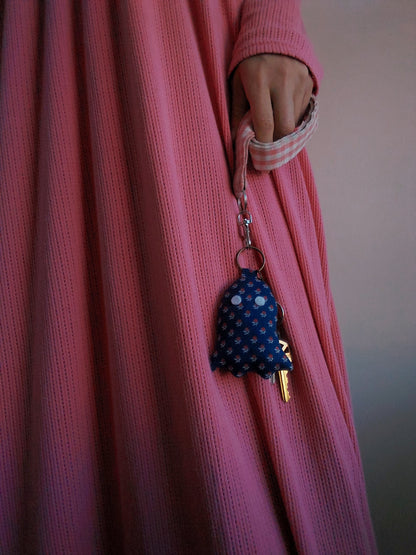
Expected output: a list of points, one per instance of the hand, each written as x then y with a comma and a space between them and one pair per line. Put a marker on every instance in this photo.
276, 89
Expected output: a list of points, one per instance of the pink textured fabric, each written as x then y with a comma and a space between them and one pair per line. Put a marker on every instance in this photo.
118, 236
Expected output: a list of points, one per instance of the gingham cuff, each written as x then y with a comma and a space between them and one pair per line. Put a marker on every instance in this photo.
269, 156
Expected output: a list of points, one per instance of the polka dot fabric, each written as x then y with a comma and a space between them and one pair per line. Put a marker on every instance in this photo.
247, 338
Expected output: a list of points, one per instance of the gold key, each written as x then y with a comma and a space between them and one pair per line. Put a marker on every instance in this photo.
284, 382
283, 374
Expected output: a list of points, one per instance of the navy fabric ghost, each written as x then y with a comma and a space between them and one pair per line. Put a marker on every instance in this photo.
247, 338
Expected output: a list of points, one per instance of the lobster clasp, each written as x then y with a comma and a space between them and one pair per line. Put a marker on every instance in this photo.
244, 220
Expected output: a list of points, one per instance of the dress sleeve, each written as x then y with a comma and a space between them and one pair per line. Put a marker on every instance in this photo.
274, 27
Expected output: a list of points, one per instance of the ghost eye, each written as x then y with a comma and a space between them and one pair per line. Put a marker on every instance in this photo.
260, 301
236, 300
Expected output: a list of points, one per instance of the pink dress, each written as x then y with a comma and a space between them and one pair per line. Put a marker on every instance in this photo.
118, 235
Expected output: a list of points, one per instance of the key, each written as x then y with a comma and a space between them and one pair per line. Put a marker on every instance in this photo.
286, 349
284, 382
283, 374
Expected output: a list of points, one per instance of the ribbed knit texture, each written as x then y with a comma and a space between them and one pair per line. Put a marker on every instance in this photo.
118, 237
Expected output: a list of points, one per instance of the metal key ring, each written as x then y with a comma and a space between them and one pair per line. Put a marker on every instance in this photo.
251, 247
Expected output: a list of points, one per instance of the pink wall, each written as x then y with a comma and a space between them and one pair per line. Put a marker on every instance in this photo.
364, 159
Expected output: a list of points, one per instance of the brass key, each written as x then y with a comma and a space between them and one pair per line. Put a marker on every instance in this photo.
283, 374
284, 382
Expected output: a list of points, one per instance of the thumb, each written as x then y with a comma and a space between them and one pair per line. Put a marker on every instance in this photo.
239, 104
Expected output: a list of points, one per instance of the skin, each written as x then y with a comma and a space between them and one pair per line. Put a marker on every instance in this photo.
276, 89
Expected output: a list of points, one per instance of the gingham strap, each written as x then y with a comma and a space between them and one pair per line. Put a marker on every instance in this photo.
269, 156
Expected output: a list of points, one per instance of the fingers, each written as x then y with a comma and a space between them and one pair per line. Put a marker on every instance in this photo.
285, 113
276, 89
239, 104
262, 115
257, 92
302, 103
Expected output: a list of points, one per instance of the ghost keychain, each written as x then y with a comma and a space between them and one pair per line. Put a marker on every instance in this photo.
248, 321
248, 315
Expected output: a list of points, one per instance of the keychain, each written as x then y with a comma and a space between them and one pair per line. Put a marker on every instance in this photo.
248, 320
249, 324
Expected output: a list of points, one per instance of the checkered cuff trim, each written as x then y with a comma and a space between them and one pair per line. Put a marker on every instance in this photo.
269, 156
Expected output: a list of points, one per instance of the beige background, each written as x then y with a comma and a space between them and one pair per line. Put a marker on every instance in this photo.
364, 160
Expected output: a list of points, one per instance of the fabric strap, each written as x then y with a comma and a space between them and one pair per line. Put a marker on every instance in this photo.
269, 156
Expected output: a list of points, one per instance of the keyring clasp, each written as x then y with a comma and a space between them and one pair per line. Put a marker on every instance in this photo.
244, 219
254, 248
